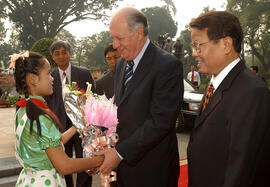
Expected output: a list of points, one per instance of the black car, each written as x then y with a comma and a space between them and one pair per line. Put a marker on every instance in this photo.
190, 107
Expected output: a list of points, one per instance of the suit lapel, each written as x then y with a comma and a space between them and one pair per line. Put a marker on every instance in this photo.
217, 96
73, 74
122, 74
141, 71
57, 80
210, 106
118, 80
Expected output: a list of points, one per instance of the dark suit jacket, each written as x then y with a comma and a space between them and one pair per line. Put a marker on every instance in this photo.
105, 84
147, 112
230, 143
55, 101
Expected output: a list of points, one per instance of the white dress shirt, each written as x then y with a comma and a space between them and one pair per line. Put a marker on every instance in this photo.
137, 59
216, 80
68, 74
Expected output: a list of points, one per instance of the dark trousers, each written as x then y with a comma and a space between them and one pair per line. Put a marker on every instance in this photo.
83, 179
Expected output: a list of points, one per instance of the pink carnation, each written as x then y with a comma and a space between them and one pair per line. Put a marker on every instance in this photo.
101, 112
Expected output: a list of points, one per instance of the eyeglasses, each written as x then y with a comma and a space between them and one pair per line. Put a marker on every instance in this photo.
196, 46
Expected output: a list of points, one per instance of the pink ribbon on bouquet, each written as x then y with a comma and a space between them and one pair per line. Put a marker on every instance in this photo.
101, 143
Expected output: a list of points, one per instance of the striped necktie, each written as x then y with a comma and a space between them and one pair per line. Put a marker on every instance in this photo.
208, 96
65, 76
128, 72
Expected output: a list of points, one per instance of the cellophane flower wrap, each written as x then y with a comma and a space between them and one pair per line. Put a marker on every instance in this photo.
95, 117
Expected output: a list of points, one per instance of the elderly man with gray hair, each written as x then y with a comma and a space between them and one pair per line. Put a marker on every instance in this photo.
148, 93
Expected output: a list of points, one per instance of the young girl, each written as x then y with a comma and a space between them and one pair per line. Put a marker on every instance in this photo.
38, 141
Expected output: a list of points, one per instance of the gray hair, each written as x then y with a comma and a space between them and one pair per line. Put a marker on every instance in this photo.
57, 44
136, 19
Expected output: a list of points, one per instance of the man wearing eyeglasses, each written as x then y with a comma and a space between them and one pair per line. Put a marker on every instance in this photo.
229, 145
105, 84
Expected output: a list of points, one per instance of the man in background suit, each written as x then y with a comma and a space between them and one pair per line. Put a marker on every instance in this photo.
105, 84
255, 70
229, 144
148, 103
60, 51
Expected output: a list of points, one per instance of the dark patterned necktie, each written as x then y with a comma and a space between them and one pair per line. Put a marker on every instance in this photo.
128, 72
208, 96
65, 76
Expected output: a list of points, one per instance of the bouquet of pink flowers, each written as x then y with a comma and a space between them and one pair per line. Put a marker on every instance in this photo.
99, 110
95, 118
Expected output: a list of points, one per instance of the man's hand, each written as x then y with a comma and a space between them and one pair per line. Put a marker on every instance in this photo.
110, 162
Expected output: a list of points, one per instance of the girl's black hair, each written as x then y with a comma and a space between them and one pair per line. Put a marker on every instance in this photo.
32, 64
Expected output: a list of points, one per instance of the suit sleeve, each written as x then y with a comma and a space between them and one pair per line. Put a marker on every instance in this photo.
249, 151
91, 81
167, 93
85, 76
99, 88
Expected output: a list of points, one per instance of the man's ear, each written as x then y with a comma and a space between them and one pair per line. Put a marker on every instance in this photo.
140, 32
228, 44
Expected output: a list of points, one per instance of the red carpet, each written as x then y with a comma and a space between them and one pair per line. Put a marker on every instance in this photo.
183, 179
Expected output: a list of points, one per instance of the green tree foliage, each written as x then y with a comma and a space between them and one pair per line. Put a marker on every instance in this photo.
14, 41
66, 36
36, 19
2, 12
170, 6
7, 48
90, 50
5, 51
160, 22
43, 47
254, 16
2, 32
2, 25
186, 58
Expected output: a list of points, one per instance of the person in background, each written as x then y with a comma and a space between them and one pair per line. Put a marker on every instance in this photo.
194, 77
156, 43
255, 70
168, 45
65, 73
38, 141
161, 41
105, 84
148, 93
229, 144
177, 47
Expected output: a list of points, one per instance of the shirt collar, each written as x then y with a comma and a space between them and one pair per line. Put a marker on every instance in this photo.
67, 71
140, 55
216, 81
